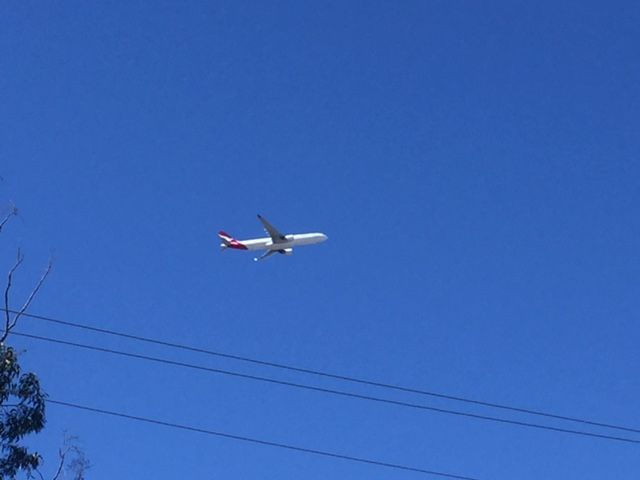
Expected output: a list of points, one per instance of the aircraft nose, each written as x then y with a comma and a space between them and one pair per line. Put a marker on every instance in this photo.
324, 237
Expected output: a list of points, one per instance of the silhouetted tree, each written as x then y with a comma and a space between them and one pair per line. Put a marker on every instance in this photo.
23, 412
22, 401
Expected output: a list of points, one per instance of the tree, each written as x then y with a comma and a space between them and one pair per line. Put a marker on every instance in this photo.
23, 412
22, 400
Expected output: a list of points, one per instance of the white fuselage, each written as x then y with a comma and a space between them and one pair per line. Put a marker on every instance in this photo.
293, 240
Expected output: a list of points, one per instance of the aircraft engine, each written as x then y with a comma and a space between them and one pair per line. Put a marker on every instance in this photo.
286, 251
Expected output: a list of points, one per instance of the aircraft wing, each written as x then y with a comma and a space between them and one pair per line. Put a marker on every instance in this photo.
275, 235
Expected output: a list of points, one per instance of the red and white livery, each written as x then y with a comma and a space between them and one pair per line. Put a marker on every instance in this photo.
276, 242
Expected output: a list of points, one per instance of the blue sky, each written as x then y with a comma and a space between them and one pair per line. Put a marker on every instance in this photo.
474, 164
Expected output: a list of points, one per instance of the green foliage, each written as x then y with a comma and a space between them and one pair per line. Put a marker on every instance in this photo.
22, 412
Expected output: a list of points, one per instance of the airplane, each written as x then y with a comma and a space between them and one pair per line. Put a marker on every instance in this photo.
276, 242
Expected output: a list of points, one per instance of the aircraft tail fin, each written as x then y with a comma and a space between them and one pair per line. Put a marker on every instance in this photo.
229, 242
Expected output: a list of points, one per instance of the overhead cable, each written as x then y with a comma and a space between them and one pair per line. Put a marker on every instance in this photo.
327, 390
262, 442
345, 378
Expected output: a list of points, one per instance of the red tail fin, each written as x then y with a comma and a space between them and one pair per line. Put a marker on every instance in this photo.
229, 242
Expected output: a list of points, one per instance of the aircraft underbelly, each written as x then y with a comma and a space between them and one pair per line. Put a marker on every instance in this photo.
292, 241
256, 243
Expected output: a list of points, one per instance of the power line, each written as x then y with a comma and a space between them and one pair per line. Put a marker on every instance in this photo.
326, 374
327, 390
262, 442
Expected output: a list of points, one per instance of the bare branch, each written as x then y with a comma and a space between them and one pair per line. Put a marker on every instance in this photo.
12, 212
62, 453
79, 465
32, 295
7, 325
39, 474
72, 460
9, 322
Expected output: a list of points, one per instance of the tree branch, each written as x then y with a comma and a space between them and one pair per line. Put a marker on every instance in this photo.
32, 294
7, 325
12, 212
11, 323
63, 454
38, 472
